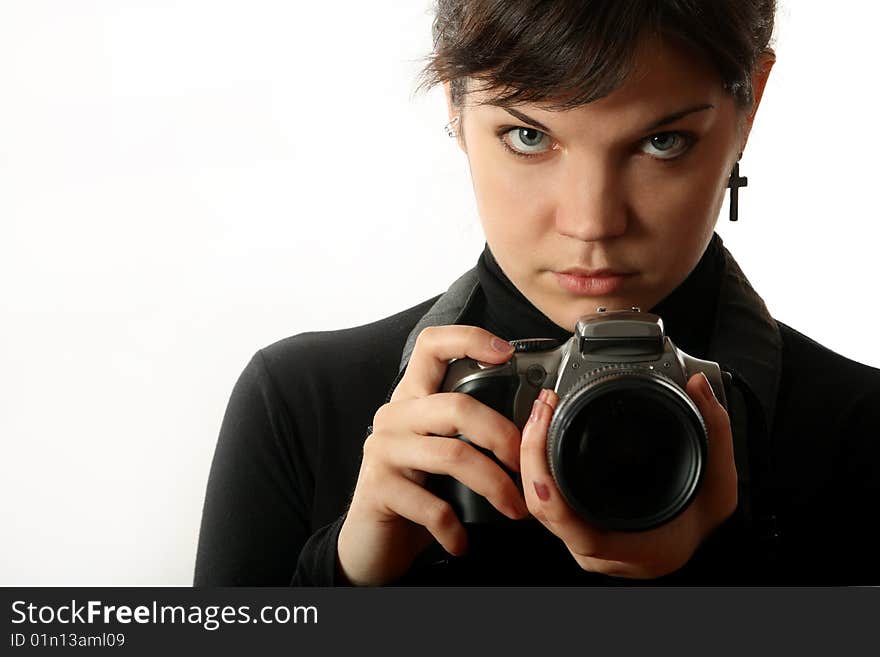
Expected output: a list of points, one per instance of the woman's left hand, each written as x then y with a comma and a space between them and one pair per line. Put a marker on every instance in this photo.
648, 554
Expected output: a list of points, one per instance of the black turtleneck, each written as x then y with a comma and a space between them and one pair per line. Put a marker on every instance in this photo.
289, 451
688, 312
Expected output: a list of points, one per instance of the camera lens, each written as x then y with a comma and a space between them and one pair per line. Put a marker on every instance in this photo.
628, 452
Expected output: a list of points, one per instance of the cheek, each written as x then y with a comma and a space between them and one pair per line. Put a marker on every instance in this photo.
512, 207
683, 189
683, 207
676, 218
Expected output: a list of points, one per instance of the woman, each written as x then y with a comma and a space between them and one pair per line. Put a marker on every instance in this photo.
601, 139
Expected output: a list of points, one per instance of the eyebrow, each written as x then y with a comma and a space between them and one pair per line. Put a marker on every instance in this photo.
671, 118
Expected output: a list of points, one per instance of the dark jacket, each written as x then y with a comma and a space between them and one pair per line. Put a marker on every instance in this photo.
806, 439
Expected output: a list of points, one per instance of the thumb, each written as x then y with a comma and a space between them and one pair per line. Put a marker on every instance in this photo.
714, 414
700, 391
721, 473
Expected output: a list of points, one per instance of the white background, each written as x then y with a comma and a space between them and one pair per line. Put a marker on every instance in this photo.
183, 182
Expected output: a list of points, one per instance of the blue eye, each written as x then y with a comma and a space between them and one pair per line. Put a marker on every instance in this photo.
528, 137
666, 146
670, 145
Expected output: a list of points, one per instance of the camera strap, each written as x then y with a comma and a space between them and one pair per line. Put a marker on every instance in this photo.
449, 308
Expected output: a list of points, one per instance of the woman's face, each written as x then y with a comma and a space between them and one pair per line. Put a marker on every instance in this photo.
605, 186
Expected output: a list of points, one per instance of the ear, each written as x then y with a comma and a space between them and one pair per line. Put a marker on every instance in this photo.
454, 111
759, 81
448, 93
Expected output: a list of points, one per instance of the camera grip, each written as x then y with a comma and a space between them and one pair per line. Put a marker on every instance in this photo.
496, 392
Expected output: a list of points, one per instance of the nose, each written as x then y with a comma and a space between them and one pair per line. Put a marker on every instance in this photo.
590, 205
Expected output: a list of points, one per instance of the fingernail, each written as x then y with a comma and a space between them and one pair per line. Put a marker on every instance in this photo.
542, 491
536, 411
708, 393
543, 395
501, 345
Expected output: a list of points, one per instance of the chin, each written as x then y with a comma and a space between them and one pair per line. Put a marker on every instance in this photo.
591, 304
569, 316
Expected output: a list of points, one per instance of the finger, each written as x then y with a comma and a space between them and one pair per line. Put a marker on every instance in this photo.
543, 497
436, 346
409, 500
536, 477
714, 415
546, 503
456, 413
721, 478
458, 459
713, 412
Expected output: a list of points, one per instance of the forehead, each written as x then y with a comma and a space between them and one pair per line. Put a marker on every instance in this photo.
666, 75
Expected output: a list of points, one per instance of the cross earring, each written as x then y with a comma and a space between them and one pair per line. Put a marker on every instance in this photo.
734, 183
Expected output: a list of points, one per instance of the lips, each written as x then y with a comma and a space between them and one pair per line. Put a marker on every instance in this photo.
594, 273
596, 282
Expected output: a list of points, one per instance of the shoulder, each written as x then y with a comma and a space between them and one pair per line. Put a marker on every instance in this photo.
828, 401
805, 361
321, 359
824, 464
359, 342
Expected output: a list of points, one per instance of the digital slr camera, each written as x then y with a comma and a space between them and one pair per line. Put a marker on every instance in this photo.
626, 446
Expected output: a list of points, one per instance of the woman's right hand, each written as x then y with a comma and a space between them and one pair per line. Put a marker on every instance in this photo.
392, 517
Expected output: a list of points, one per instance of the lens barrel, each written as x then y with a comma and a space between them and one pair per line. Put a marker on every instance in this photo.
627, 448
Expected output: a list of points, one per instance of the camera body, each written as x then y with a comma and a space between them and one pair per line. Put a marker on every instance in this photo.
626, 446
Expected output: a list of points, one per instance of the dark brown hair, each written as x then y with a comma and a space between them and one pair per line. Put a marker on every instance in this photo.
567, 53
